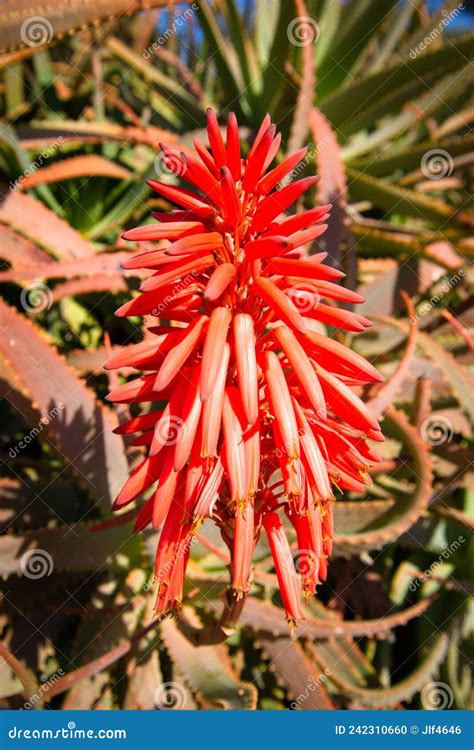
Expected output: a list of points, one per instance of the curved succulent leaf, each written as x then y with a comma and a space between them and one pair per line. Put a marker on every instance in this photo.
78, 426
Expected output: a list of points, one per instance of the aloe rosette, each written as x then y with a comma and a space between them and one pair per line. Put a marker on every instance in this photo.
254, 417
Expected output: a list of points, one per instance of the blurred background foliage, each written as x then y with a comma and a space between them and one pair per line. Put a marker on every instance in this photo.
382, 92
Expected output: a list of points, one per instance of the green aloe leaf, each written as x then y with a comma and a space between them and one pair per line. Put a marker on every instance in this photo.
407, 158
394, 199
368, 89
229, 73
207, 670
179, 97
351, 41
441, 93
329, 26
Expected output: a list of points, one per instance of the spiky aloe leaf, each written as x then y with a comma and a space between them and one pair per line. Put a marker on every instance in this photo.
346, 657
367, 89
145, 676
178, 95
305, 685
329, 25
402, 158
78, 426
350, 41
393, 198
278, 53
407, 511
332, 187
450, 87
67, 549
460, 379
101, 283
400, 691
385, 395
373, 242
229, 71
32, 219
207, 670
20, 512
304, 101
101, 264
266, 618
61, 18
353, 516
77, 132
20, 253
89, 165
24, 675
99, 634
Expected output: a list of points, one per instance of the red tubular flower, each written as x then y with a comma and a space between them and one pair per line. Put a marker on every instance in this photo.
254, 406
